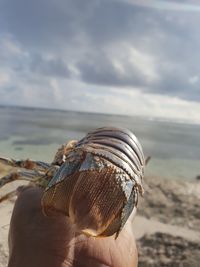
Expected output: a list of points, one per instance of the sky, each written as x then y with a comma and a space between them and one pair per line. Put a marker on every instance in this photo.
134, 57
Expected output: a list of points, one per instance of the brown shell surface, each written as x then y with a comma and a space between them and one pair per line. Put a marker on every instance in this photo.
98, 185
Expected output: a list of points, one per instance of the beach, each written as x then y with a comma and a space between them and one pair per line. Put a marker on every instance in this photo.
166, 226
37, 134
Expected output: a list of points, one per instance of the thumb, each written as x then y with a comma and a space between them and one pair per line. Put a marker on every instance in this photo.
23, 188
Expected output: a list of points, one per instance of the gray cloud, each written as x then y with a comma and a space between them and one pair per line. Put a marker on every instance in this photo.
98, 69
49, 67
83, 33
45, 23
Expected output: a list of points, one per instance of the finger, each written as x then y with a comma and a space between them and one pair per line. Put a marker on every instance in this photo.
22, 189
25, 193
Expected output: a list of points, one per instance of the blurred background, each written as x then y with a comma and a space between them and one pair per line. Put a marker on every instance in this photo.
139, 59
67, 67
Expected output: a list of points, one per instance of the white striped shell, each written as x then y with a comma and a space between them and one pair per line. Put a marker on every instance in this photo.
98, 184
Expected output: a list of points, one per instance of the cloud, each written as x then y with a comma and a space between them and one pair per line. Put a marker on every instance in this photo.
171, 5
122, 65
4, 78
74, 45
49, 66
57, 94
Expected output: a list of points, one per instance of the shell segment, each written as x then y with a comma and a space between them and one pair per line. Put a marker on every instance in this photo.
120, 134
98, 185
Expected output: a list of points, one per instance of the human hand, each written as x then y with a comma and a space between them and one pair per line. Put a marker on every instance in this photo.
39, 241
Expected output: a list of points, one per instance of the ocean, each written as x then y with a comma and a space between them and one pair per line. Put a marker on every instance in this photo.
37, 133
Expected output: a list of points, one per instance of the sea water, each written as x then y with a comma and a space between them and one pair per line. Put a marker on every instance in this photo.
37, 133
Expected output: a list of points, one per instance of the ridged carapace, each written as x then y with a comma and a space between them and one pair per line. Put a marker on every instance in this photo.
98, 184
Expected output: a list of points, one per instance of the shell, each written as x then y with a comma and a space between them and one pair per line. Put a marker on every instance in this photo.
98, 184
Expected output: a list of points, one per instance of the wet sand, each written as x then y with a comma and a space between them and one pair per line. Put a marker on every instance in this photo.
166, 226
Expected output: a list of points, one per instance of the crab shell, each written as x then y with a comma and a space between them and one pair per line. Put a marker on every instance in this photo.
98, 185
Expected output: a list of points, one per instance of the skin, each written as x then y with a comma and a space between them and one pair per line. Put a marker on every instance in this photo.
36, 240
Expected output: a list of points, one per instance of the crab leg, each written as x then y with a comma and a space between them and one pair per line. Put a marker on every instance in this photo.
31, 176
27, 164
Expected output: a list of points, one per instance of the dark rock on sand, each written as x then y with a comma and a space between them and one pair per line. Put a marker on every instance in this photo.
198, 177
174, 202
167, 251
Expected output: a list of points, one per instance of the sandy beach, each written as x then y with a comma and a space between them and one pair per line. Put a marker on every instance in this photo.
166, 226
